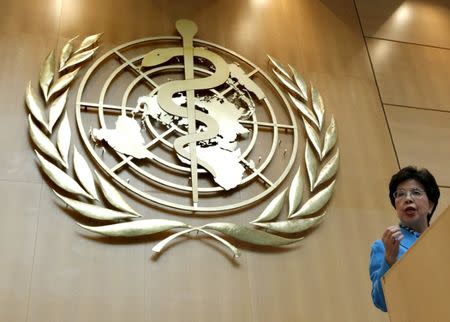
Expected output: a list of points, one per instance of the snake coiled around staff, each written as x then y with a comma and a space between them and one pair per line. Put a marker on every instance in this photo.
169, 89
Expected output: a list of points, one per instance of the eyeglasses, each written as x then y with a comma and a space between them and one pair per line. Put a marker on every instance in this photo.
415, 193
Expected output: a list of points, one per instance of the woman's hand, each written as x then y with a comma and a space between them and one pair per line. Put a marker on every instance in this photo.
391, 240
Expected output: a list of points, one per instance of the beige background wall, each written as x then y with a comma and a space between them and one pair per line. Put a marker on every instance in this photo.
383, 70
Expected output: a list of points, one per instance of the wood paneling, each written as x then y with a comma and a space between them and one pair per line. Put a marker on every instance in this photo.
40, 17
422, 22
444, 202
411, 75
77, 276
19, 223
421, 137
196, 279
320, 36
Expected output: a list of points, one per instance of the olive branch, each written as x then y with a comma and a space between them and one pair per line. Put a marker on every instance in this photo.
41, 127
47, 109
314, 156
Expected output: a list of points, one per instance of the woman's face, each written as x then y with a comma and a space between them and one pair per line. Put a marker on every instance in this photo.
412, 205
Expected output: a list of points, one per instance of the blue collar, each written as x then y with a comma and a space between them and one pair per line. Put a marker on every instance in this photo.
413, 231
409, 236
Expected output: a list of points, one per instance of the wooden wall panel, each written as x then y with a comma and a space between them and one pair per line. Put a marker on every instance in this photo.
196, 279
77, 276
420, 22
411, 75
253, 28
421, 137
40, 17
19, 223
444, 202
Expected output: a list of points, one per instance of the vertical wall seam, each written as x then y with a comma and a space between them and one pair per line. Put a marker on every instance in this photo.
34, 253
376, 84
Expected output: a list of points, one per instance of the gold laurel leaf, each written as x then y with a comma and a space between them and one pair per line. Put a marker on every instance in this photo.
292, 226
136, 228
60, 178
304, 110
88, 42
279, 66
313, 136
56, 108
287, 82
43, 142
47, 73
79, 58
94, 211
317, 105
273, 208
330, 138
249, 235
311, 165
295, 192
35, 106
66, 52
113, 196
316, 202
300, 83
328, 170
63, 82
63, 138
83, 173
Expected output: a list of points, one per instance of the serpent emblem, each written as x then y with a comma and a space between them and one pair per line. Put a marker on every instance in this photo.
187, 30
232, 106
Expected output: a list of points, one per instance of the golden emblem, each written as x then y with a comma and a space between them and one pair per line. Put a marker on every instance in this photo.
185, 119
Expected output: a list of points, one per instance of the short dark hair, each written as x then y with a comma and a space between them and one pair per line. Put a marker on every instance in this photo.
421, 175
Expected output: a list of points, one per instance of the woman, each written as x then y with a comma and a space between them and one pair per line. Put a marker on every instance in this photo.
414, 194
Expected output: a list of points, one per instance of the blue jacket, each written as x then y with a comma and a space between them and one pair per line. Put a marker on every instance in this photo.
378, 265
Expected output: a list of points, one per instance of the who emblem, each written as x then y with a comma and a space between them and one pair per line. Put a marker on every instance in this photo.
191, 127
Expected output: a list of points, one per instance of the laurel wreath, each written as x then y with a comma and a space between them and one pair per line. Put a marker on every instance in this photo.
48, 119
